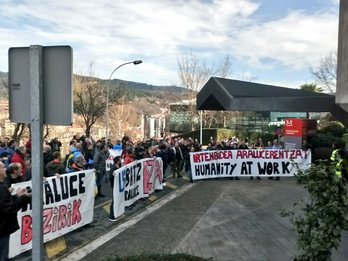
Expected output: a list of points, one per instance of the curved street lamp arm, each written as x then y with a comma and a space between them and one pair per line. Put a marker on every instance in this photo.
107, 97
134, 62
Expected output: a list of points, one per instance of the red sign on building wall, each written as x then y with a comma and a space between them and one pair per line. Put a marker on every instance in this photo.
294, 127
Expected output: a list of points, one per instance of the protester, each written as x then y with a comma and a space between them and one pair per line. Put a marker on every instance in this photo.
341, 165
55, 166
79, 164
161, 153
99, 163
335, 149
55, 144
13, 174
118, 145
19, 157
9, 206
276, 145
117, 164
129, 157
71, 157
177, 158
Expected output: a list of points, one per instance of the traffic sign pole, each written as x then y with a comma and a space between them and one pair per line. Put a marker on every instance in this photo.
36, 98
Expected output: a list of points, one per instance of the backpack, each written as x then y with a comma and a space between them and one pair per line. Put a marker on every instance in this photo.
68, 161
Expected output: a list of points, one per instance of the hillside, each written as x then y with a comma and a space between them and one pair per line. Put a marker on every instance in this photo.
136, 88
144, 97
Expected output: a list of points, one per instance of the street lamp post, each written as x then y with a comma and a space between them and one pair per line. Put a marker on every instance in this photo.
107, 97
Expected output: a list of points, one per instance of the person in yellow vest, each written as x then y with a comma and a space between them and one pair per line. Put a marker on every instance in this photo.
335, 147
341, 165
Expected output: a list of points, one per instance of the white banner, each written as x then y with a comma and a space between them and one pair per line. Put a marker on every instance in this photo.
68, 205
110, 160
246, 163
136, 180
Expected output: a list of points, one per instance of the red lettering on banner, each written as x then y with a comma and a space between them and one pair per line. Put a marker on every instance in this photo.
47, 216
62, 222
64, 216
273, 154
250, 153
298, 154
158, 171
76, 215
27, 232
148, 169
196, 158
214, 155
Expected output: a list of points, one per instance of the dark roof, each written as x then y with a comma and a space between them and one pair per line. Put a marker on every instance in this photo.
234, 95
238, 89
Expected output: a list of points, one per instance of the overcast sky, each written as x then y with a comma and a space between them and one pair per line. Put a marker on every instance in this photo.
274, 41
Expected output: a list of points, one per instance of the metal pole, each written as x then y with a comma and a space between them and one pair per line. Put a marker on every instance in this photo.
36, 98
201, 127
107, 97
107, 114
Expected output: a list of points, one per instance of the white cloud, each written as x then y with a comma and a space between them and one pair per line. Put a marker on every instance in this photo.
112, 32
297, 40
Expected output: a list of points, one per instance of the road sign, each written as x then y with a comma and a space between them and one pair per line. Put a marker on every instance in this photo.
56, 81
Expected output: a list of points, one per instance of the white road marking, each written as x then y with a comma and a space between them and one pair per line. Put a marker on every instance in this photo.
93, 245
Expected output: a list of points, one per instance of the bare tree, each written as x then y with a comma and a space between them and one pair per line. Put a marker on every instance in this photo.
326, 72
18, 132
193, 75
122, 116
90, 98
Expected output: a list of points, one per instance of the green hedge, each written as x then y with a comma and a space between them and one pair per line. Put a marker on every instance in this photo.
159, 257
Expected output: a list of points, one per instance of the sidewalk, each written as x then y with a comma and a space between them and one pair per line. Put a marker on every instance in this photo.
222, 219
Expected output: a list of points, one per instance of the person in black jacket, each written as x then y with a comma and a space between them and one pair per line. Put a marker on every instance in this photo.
9, 207
161, 153
117, 164
55, 166
13, 174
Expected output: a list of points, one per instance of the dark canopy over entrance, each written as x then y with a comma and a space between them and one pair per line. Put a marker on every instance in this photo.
233, 95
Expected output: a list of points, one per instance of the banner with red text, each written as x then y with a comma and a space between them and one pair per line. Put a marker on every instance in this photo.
68, 205
247, 163
136, 180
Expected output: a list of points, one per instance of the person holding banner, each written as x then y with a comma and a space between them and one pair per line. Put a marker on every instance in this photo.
177, 158
99, 160
129, 158
117, 164
14, 174
9, 206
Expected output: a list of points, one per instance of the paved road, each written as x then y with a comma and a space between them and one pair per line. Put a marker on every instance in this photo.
222, 219
62, 246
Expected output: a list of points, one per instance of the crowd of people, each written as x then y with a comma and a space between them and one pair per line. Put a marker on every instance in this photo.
86, 153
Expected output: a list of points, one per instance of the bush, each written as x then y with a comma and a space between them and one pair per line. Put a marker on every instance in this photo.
159, 257
322, 217
336, 128
321, 140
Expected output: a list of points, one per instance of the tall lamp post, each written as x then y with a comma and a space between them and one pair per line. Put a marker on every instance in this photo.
107, 97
